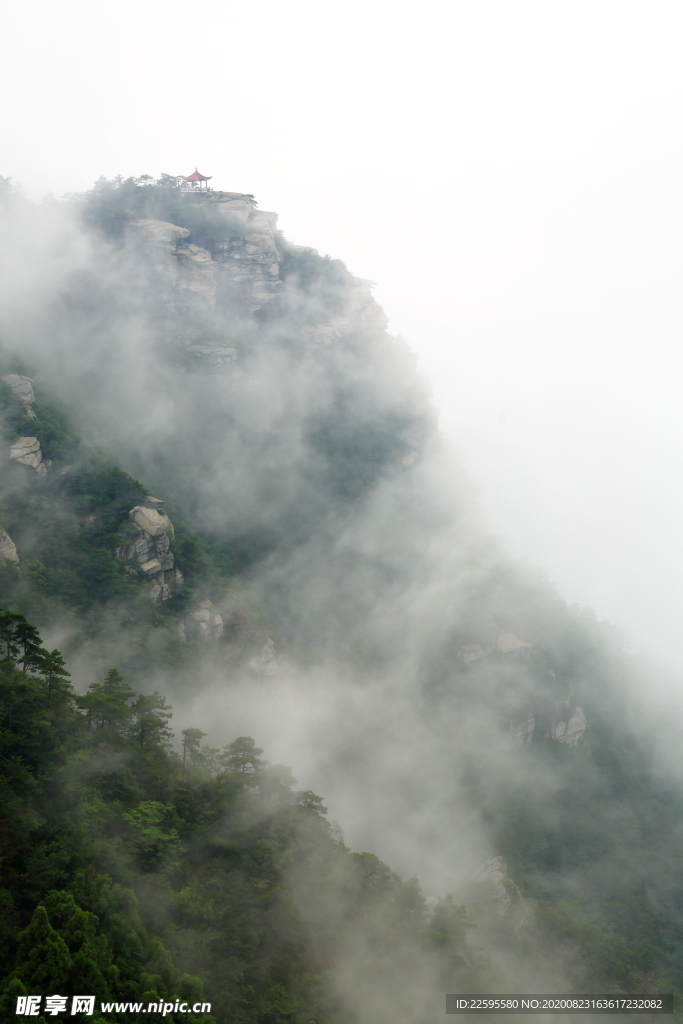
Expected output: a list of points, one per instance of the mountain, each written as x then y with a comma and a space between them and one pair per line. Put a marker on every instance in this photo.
224, 491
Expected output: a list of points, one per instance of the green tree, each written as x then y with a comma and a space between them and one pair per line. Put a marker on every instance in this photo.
8, 626
43, 957
191, 741
10, 991
242, 756
52, 668
107, 704
151, 715
28, 639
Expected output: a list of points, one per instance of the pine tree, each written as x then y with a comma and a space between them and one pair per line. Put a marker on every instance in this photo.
8, 625
28, 639
10, 991
242, 756
151, 715
52, 667
107, 703
43, 959
191, 740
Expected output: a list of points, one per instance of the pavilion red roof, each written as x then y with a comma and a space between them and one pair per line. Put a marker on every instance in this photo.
197, 176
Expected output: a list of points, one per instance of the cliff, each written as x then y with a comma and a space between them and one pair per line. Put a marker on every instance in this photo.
315, 571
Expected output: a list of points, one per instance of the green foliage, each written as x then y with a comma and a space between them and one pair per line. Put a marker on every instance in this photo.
13, 419
151, 715
231, 866
107, 703
110, 205
43, 960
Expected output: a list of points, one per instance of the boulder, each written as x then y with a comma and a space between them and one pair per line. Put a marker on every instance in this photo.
569, 727
27, 451
159, 590
160, 232
151, 520
8, 549
151, 568
209, 620
23, 389
236, 206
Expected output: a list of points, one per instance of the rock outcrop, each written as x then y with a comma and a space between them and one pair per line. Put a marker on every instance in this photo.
524, 728
8, 549
189, 269
152, 548
493, 881
209, 621
509, 642
23, 389
250, 254
246, 257
264, 663
196, 278
160, 233
569, 727
504, 644
27, 451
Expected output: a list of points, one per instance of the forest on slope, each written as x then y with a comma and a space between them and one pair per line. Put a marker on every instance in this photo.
310, 571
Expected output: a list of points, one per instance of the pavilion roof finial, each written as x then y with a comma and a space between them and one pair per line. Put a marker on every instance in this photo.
196, 176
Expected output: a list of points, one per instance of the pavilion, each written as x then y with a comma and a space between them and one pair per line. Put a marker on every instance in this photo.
195, 180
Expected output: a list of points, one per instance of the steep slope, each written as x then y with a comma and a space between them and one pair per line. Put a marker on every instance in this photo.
333, 591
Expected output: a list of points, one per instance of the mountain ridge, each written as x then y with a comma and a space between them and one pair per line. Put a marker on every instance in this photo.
449, 704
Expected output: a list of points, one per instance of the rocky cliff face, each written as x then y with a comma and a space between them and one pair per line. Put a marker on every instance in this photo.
246, 259
151, 548
23, 389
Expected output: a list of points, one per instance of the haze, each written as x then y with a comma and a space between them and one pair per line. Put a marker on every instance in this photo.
509, 174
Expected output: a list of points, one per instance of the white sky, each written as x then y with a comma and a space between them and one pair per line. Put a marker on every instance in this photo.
509, 172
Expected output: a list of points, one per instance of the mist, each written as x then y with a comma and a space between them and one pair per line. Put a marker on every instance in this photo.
439, 514
509, 177
419, 677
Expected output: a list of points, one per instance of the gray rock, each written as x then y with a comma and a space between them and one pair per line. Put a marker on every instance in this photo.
570, 727
159, 590
152, 567
144, 547
197, 274
162, 545
492, 877
523, 729
159, 232
151, 520
508, 642
23, 389
326, 332
126, 551
209, 620
251, 257
27, 451
8, 549
265, 664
